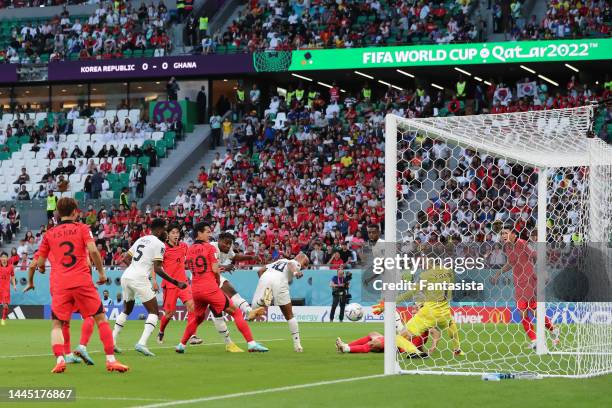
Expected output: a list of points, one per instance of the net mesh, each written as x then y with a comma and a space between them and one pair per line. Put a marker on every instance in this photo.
272, 61
461, 180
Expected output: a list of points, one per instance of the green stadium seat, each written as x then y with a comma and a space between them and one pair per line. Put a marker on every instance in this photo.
79, 196
170, 137
161, 150
145, 161
129, 161
5, 155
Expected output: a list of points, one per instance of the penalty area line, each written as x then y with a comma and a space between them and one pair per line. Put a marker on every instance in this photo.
258, 392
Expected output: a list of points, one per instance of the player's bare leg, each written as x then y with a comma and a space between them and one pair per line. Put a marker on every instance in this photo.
149, 326
57, 345
294, 328
86, 332
106, 337
128, 306
244, 328
248, 312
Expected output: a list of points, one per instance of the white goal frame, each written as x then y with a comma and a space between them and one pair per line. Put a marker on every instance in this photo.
555, 152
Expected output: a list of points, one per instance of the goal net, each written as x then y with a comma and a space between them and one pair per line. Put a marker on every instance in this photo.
510, 216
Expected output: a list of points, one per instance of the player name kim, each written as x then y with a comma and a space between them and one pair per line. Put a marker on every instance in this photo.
424, 285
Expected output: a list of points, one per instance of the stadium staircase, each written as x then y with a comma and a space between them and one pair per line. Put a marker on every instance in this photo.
187, 157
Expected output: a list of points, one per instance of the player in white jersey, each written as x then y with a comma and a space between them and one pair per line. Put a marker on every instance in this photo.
144, 261
273, 286
227, 257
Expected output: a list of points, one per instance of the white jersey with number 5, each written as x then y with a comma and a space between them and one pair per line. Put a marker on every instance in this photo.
145, 251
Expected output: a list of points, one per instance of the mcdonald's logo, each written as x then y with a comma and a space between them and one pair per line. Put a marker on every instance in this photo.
498, 316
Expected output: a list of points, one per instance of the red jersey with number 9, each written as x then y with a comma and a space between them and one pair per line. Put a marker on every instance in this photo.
65, 245
201, 257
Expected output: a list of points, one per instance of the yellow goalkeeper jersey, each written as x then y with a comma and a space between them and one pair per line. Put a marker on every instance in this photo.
433, 287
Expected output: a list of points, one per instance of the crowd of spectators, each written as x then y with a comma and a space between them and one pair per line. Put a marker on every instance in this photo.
88, 162
563, 19
114, 30
306, 173
282, 25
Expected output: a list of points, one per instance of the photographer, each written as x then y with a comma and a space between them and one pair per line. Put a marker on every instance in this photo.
340, 286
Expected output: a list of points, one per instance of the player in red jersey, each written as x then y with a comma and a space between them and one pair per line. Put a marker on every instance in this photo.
7, 277
374, 342
69, 245
80, 354
174, 265
520, 259
202, 259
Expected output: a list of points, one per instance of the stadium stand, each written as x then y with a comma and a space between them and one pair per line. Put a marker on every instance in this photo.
85, 157
116, 30
308, 175
273, 25
566, 19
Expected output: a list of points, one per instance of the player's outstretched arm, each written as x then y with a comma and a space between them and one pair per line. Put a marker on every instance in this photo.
159, 270
97, 261
127, 258
31, 272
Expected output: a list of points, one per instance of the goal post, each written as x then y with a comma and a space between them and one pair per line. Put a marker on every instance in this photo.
454, 186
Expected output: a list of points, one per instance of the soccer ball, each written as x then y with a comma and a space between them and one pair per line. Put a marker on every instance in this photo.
354, 312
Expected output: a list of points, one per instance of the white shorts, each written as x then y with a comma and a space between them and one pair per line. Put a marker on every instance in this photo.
136, 288
279, 285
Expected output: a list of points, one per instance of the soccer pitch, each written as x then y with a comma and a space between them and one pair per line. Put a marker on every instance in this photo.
208, 376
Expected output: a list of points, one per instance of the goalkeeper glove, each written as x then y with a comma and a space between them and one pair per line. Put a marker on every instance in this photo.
378, 308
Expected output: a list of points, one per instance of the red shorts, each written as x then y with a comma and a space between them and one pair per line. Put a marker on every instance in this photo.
523, 304
84, 299
172, 294
217, 301
5, 297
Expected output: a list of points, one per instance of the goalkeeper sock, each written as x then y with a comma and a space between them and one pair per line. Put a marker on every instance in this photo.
453, 332
406, 345
359, 342
362, 348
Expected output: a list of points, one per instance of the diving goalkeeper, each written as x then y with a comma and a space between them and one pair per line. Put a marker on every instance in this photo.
435, 313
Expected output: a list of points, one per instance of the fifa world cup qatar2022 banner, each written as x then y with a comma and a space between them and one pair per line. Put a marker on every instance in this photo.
179, 66
430, 54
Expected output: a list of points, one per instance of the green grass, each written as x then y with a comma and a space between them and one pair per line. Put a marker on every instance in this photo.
207, 371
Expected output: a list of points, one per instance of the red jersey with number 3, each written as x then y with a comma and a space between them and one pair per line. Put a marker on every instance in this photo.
65, 245
200, 257
6, 273
174, 263
520, 256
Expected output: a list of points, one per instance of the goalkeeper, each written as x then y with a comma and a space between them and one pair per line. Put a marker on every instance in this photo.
435, 312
